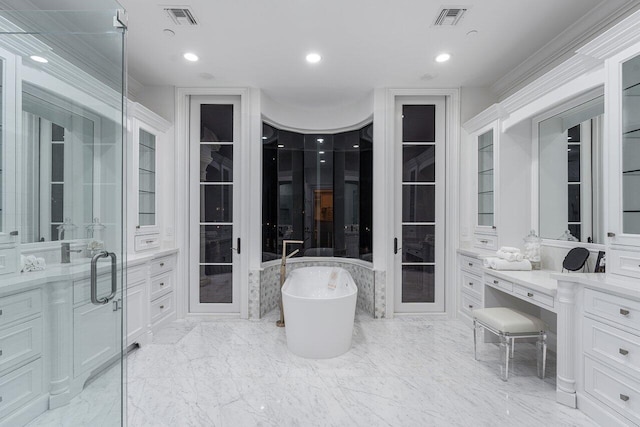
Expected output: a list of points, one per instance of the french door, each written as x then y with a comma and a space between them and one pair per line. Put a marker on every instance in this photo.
214, 204
419, 204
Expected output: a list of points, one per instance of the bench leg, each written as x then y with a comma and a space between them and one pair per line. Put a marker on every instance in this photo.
513, 347
475, 340
504, 357
541, 347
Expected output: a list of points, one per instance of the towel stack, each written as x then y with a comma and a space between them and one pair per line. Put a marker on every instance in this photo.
508, 258
31, 263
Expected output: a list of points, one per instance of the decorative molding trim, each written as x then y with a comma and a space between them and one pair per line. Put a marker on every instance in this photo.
600, 18
489, 115
139, 111
562, 74
614, 40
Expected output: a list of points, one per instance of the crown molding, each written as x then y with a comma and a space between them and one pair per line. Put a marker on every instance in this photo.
614, 40
600, 18
489, 115
144, 114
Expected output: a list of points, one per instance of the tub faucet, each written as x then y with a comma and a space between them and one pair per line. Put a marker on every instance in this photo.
65, 252
283, 273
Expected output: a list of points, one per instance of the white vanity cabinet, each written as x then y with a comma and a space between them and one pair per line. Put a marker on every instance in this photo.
470, 279
148, 148
623, 118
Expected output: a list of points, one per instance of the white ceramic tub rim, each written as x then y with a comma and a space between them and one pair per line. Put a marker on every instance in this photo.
303, 259
355, 292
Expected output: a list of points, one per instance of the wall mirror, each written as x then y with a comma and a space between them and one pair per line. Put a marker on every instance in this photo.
56, 199
570, 172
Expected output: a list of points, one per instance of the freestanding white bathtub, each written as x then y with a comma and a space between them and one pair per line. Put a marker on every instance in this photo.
318, 318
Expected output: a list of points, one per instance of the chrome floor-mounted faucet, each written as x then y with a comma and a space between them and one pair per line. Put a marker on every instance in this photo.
283, 273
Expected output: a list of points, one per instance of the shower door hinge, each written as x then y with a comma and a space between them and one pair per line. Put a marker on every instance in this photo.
120, 20
117, 304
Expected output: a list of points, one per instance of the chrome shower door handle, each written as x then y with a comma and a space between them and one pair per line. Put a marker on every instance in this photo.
94, 278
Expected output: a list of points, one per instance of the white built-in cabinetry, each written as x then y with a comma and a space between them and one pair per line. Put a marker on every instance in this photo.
148, 183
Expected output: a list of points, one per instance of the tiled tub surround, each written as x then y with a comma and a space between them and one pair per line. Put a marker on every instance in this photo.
362, 274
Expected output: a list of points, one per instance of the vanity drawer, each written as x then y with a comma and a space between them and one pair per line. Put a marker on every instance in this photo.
18, 306
163, 264
20, 343
161, 307
472, 265
611, 307
146, 241
485, 241
468, 303
613, 389
137, 274
20, 386
82, 289
472, 285
543, 299
499, 283
626, 263
160, 285
613, 346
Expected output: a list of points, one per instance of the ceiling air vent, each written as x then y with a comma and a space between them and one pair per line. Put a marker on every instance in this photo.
181, 15
449, 17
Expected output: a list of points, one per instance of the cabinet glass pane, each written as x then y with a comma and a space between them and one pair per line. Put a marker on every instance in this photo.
216, 123
216, 163
418, 243
485, 179
573, 159
216, 203
574, 203
418, 123
418, 283
146, 178
215, 243
418, 163
418, 203
630, 146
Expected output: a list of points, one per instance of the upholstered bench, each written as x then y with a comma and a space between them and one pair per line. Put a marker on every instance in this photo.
509, 324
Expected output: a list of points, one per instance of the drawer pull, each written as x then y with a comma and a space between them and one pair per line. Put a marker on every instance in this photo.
470, 305
470, 264
162, 264
161, 283
148, 241
623, 352
624, 397
624, 312
470, 283
161, 307
529, 294
0, 312
484, 241
495, 282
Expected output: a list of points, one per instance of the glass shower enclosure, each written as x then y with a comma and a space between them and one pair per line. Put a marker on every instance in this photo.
62, 254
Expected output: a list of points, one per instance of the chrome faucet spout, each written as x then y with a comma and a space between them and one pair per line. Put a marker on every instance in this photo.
293, 253
283, 272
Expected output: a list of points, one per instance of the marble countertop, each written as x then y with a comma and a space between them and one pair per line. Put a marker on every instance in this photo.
609, 283
538, 280
78, 269
476, 253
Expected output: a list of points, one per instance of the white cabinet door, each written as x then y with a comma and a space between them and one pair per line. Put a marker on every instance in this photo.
95, 336
136, 307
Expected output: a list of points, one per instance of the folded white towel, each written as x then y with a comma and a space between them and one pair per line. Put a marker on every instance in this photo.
510, 256
503, 264
509, 249
31, 263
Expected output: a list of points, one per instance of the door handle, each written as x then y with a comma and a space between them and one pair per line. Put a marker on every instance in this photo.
237, 249
94, 278
395, 245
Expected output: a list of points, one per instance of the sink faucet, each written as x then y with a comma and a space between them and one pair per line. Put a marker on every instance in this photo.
65, 252
283, 273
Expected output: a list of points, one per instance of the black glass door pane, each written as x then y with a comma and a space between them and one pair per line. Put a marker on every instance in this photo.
418, 203
418, 243
418, 123
216, 284
574, 163
216, 123
418, 283
418, 163
216, 203
215, 243
574, 203
216, 163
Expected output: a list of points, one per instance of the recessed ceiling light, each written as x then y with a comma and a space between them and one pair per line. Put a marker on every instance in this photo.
443, 57
320, 140
39, 59
264, 137
280, 145
313, 58
320, 152
356, 146
191, 57
169, 33
322, 160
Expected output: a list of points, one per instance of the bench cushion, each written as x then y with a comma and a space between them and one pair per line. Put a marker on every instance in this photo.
508, 320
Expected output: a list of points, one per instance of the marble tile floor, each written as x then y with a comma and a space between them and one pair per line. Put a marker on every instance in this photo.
405, 371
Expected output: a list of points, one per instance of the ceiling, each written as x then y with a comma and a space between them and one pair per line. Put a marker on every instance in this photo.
364, 45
